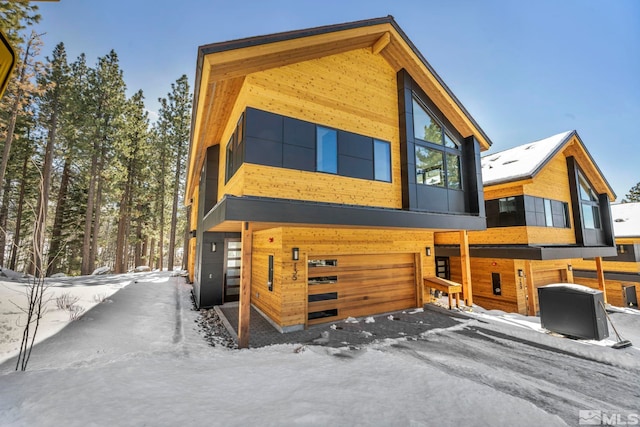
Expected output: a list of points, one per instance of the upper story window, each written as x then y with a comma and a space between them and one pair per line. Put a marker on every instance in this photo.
235, 150
437, 154
527, 210
381, 160
589, 204
326, 150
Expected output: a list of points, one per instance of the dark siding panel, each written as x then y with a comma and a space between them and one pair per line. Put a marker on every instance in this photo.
263, 125
296, 157
432, 199
456, 201
263, 152
355, 167
350, 144
300, 133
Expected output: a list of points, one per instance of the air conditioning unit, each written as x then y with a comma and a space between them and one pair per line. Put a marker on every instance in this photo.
573, 310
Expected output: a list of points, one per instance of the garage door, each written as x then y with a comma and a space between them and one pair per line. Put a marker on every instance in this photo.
359, 285
546, 277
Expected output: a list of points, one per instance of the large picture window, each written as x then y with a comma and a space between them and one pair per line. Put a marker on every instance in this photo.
437, 153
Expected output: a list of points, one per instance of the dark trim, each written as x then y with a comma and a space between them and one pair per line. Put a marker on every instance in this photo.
618, 276
259, 209
538, 253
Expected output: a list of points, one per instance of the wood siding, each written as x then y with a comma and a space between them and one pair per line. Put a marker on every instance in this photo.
513, 296
354, 91
286, 304
614, 289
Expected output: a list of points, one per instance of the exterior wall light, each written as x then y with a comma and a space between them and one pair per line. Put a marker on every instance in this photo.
520, 273
213, 246
570, 267
428, 251
295, 254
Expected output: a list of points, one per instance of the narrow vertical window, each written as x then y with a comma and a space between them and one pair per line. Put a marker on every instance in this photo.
382, 161
270, 274
453, 171
548, 215
326, 150
230, 153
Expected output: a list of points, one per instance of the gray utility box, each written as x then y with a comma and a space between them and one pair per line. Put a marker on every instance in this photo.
573, 310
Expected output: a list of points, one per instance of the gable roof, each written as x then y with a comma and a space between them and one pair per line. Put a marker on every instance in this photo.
222, 67
626, 219
525, 161
521, 162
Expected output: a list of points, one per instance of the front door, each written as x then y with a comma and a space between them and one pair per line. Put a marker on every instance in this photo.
232, 261
442, 268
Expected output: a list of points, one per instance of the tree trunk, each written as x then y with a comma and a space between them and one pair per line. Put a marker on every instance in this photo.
88, 219
121, 239
16, 235
174, 209
152, 251
138, 258
4, 213
185, 250
96, 221
43, 200
61, 206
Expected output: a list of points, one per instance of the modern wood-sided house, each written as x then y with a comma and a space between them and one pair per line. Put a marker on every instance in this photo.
622, 271
546, 203
321, 164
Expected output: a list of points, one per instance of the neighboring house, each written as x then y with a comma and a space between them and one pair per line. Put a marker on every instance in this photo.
546, 203
621, 271
322, 162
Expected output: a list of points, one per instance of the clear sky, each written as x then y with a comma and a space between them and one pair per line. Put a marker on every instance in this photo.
524, 70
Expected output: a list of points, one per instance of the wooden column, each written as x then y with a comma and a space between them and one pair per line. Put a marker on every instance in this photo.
531, 289
600, 273
244, 309
465, 261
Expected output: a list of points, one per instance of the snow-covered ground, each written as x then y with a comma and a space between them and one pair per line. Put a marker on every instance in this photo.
89, 291
139, 360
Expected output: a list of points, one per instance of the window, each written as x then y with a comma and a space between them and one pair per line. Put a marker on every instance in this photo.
507, 205
382, 161
326, 150
235, 150
548, 216
437, 153
589, 204
527, 210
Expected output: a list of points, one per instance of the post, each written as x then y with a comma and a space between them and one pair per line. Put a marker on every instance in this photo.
465, 261
600, 273
244, 309
531, 289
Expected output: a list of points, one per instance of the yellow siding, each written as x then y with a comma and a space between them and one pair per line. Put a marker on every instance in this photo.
354, 91
614, 291
287, 303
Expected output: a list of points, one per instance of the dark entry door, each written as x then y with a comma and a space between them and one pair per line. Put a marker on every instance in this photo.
442, 268
232, 261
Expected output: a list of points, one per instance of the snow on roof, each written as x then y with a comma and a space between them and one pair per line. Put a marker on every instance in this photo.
626, 219
521, 161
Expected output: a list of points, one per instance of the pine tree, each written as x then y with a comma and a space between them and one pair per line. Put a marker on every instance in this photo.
634, 194
107, 99
131, 150
180, 103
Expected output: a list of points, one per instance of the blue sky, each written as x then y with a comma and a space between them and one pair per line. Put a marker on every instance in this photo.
525, 70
